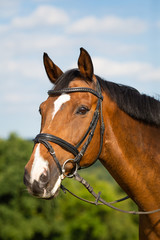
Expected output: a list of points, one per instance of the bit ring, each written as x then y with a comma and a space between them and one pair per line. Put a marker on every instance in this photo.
63, 168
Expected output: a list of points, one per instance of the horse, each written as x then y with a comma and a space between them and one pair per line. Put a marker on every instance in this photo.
86, 118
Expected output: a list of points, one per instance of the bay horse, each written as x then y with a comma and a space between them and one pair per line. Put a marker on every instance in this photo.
73, 136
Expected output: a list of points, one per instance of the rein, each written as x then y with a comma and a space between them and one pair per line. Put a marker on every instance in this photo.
101, 201
45, 138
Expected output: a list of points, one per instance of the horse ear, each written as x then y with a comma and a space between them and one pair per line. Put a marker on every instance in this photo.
85, 64
53, 72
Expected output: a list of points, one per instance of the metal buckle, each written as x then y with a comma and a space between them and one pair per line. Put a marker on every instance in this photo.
75, 171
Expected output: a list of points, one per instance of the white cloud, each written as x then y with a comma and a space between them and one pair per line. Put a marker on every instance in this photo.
9, 8
140, 70
30, 43
25, 68
115, 47
19, 69
44, 15
20, 98
3, 28
109, 24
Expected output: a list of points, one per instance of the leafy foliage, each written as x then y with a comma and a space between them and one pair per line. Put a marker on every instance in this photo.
23, 217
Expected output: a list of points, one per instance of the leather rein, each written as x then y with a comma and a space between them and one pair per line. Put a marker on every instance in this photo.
45, 138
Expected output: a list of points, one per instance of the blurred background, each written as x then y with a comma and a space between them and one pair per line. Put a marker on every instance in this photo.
123, 39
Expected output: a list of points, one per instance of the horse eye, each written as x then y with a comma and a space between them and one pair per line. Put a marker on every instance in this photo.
82, 110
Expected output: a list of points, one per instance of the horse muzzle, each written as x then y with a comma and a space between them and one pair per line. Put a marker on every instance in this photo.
45, 187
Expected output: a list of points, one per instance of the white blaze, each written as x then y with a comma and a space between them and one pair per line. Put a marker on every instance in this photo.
58, 103
39, 165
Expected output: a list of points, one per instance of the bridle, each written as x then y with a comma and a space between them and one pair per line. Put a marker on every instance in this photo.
45, 138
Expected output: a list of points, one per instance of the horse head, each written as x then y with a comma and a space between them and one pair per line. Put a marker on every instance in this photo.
70, 127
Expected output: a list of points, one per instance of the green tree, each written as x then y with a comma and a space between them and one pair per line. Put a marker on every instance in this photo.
23, 217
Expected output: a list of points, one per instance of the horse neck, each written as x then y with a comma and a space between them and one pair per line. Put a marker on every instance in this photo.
131, 151
131, 154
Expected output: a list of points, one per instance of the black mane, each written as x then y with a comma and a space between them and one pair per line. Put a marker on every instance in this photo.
64, 80
139, 106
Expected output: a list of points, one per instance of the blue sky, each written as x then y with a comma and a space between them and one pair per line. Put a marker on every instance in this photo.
122, 37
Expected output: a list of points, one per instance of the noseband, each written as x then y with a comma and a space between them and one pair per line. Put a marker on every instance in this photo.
45, 138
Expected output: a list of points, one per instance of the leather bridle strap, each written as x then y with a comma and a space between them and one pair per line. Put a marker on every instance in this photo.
76, 89
101, 201
45, 138
51, 138
41, 139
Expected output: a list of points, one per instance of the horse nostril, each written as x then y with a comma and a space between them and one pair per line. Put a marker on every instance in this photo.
44, 178
36, 189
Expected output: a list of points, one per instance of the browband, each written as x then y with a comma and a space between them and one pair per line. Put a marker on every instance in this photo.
76, 89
